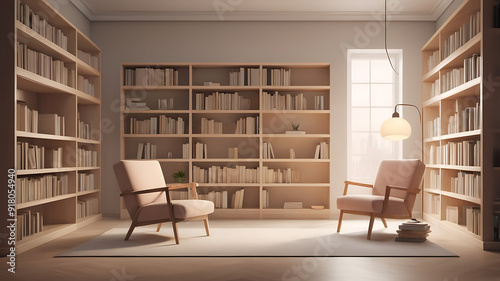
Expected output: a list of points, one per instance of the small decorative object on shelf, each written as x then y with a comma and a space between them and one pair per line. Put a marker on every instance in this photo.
413, 231
295, 130
179, 176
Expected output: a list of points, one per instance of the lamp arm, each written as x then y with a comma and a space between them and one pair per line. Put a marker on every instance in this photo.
421, 124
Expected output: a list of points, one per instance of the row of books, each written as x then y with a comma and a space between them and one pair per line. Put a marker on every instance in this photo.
466, 153
466, 32
452, 79
157, 125
433, 204
277, 101
232, 152
86, 182
473, 219
37, 188
87, 207
264, 197
216, 174
413, 231
200, 150
45, 66
40, 25
185, 151
219, 198
465, 120
84, 85
50, 123
210, 126
146, 150
435, 179
472, 67
28, 223
166, 104
247, 125
433, 60
468, 184
221, 101
434, 127
31, 156
322, 151
89, 59
87, 158
27, 118
435, 88
267, 150
319, 103
83, 130
287, 175
149, 76
135, 104
238, 78
279, 77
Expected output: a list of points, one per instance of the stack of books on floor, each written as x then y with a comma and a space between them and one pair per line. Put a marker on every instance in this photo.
413, 231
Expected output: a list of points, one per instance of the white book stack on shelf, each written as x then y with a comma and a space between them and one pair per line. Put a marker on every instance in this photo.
232, 152
319, 103
200, 151
268, 152
265, 199
27, 119
237, 199
322, 151
136, 104
185, 151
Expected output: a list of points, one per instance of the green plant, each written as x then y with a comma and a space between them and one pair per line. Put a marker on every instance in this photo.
295, 127
179, 176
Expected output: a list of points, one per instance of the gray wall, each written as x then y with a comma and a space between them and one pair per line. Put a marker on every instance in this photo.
70, 12
253, 42
447, 13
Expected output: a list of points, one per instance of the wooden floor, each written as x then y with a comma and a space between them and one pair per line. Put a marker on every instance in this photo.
40, 264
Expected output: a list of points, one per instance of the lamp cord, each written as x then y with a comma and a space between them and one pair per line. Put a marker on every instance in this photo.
385, 36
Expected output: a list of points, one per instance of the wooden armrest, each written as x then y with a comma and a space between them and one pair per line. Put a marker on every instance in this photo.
388, 189
411, 190
347, 183
190, 186
151, 190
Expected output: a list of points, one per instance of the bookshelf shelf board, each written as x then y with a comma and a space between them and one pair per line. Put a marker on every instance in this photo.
301, 211
155, 135
30, 81
296, 135
39, 43
84, 98
253, 185
225, 88
225, 112
81, 222
81, 193
44, 201
461, 168
455, 59
247, 160
295, 111
155, 111
86, 70
295, 88
225, 135
295, 185
434, 101
432, 190
88, 168
231, 211
154, 88
50, 231
24, 134
295, 160
461, 197
461, 229
470, 88
44, 171
455, 136
85, 141
496, 168
168, 160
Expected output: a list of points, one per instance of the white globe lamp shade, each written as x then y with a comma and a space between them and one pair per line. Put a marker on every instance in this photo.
395, 128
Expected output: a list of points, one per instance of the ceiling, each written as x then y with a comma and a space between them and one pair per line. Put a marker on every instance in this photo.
260, 10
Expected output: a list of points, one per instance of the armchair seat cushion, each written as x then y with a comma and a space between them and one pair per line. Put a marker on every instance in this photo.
183, 209
372, 204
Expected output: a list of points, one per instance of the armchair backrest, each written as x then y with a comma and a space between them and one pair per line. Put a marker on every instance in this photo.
405, 173
135, 175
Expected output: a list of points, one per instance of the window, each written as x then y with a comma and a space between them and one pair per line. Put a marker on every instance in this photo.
373, 91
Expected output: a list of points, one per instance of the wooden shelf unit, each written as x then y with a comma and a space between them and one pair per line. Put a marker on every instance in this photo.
46, 96
438, 190
310, 80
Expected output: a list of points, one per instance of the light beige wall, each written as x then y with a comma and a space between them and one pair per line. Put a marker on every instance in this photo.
70, 12
252, 42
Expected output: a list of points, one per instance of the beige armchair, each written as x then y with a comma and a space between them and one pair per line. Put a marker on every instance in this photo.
393, 193
147, 197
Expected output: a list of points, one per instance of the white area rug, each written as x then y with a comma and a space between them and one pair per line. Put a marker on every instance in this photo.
261, 238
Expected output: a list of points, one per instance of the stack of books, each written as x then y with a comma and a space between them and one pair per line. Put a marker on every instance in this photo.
413, 231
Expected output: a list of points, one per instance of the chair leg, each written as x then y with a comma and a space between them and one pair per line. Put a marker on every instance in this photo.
339, 225
384, 222
132, 226
370, 227
206, 226
176, 235
158, 228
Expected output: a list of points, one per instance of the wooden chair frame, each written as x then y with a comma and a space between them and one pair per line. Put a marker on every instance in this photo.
169, 187
381, 215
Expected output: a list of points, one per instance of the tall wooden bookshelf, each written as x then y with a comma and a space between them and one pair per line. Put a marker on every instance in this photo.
54, 115
461, 124
308, 178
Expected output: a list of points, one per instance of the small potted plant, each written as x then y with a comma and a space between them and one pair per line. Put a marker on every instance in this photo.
295, 130
179, 176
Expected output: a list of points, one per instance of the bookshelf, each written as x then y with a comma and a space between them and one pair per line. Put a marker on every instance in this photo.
54, 111
461, 125
229, 109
